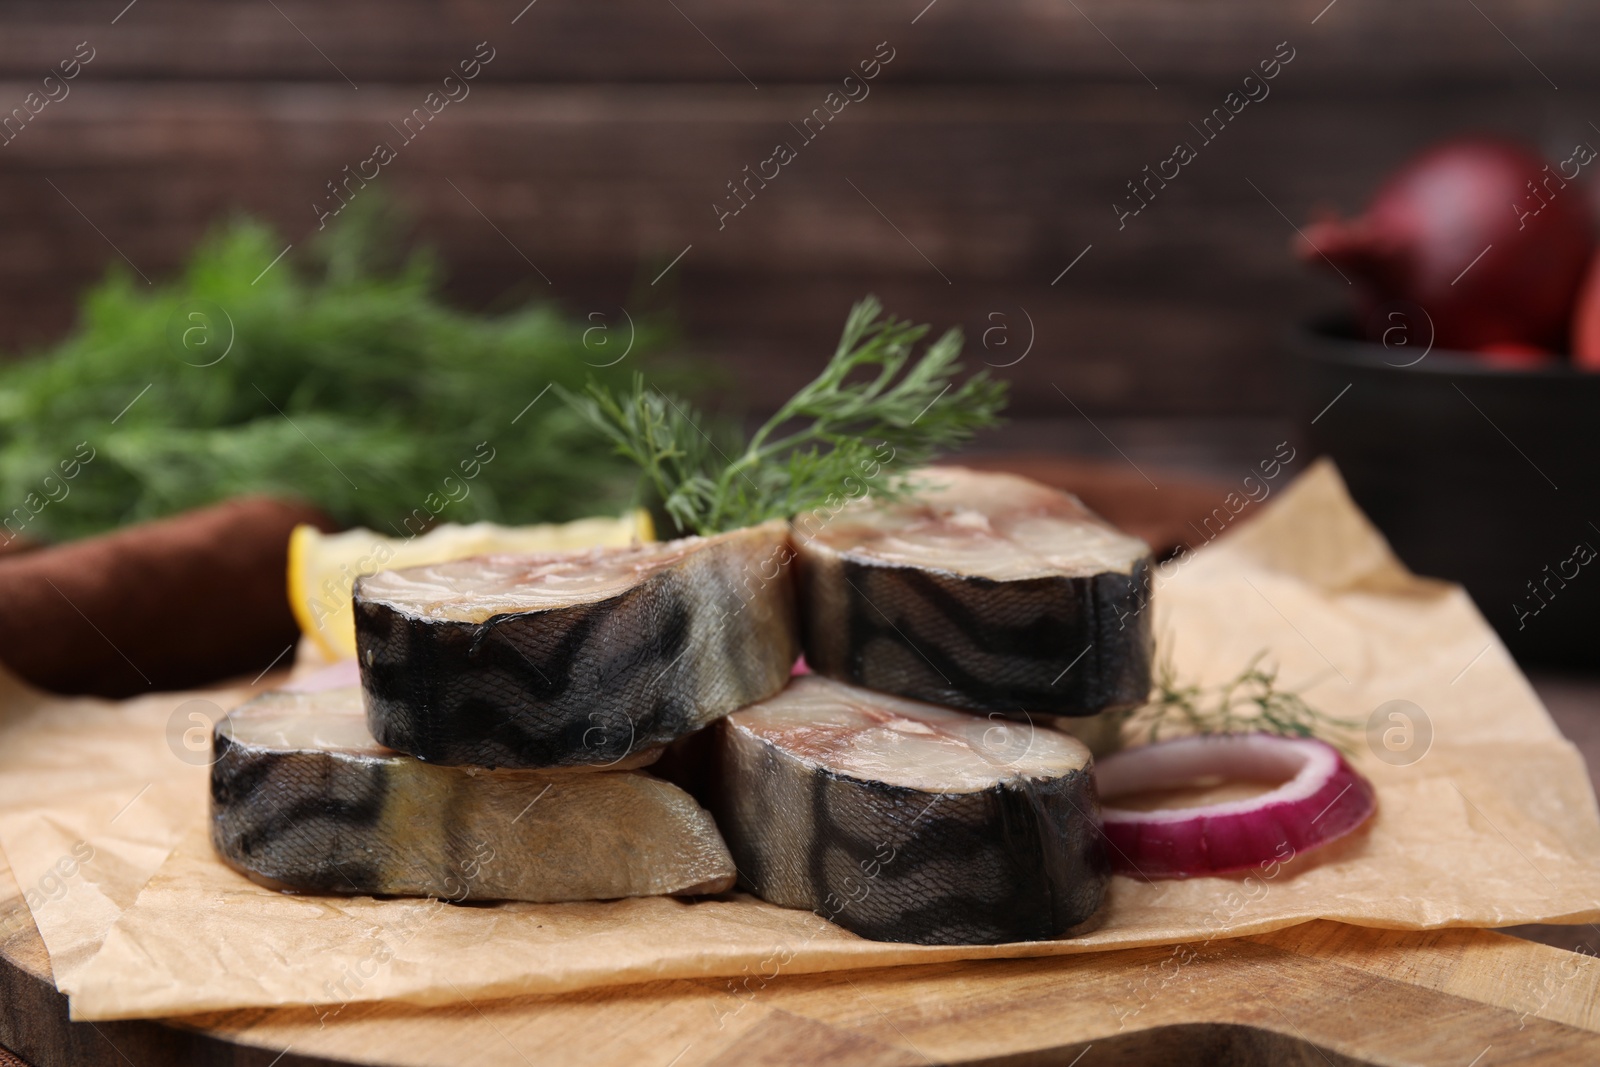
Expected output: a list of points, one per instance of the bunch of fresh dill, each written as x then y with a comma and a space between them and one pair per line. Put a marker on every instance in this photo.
340, 378
876, 405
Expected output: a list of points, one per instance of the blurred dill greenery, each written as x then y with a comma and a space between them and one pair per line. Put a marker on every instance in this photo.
349, 384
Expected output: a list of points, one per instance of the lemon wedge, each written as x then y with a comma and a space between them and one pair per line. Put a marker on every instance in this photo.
324, 567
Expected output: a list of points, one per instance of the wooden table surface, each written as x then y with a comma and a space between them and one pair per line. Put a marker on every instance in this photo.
1321, 992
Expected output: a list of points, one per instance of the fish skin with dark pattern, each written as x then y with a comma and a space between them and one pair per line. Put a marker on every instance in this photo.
303, 799
575, 658
905, 822
986, 591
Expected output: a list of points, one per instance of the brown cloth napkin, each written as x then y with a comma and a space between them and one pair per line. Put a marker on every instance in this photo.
163, 605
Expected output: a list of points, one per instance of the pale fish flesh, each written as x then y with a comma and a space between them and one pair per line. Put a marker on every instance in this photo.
575, 658
903, 821
302, 798
984, 591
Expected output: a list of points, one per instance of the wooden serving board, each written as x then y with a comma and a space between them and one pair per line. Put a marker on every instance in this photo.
1321, 993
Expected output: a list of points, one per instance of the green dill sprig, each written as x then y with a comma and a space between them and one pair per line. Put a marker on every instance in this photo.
875, 406
1250, 701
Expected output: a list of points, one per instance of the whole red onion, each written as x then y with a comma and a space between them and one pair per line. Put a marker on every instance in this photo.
1461, 200
1586, 321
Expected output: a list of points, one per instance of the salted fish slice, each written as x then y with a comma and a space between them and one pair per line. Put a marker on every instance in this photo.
303, 798
988, 591
903, 821
577, 657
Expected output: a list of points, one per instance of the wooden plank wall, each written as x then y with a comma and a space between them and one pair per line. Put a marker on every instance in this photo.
985, 159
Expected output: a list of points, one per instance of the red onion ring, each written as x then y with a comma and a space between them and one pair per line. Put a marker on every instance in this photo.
1322, 799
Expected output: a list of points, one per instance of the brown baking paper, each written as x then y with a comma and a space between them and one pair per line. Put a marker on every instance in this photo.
1496, 824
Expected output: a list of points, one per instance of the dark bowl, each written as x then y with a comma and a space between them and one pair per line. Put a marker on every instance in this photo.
1483, 476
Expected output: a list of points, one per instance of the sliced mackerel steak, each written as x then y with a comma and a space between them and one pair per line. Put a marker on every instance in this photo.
907, 822
576, 657
984, 591
303, 798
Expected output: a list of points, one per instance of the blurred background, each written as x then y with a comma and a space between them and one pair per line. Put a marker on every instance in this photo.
986, 158
972, 164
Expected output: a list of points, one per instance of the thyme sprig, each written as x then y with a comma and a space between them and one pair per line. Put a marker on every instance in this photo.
876, 407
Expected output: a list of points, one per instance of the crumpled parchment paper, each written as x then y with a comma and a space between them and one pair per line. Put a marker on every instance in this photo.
93, 800
1491, 822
